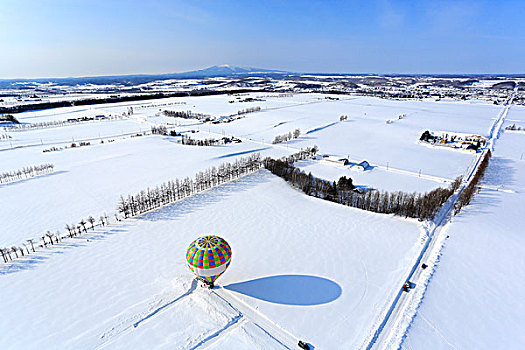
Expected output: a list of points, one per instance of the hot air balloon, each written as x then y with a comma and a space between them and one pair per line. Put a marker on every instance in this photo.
208, 257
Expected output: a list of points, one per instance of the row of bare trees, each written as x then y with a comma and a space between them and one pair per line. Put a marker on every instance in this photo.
177, 189
249, 110
414, 205
4, 137
185, 114
468, 193
26, 173
58, 123
186, 140
287, 137
8, 118
159, 130
514, 127
49, 238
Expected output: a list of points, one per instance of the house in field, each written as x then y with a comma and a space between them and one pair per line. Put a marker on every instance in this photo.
364, 165
335, 160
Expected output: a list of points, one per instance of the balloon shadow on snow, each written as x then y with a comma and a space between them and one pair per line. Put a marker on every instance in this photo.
290, 289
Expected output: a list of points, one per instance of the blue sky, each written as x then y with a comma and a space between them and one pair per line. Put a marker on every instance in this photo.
58, 38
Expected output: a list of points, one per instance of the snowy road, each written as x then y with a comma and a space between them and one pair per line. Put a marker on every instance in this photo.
404, 305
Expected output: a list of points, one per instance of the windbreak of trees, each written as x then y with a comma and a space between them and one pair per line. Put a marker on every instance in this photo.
4, 137
469, 191
249, 110
513, 127
141, 202
58, 123
49, 238
159, 130
287, 137
413, 205
26, 173
177, 189
185, 114
8, 118
186, 140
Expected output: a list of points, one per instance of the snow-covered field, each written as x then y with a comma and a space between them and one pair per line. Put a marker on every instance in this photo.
319, 270
302, 268
89, 180
475, 299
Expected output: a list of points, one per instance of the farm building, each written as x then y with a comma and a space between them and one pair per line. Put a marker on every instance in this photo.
364, 165
335, 160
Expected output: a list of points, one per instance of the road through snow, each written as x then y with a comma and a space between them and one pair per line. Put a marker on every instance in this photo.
390, 331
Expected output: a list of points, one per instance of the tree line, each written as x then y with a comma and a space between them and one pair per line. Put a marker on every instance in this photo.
468, 193
287, 137
26, 173
49, 238
185, 114
177, 189
248, 110
58, 123
8, 118
159, 130
186, 140
514, 127
413, 205
150, 199
141, 202
118, 98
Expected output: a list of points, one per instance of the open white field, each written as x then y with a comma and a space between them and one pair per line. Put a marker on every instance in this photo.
318, 270
88, 131
475, 299
89, 180
382, 178
365, 135
516, 116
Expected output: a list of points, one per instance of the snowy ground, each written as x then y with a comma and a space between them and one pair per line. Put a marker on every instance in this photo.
312, 267
382, 178
475, 298
89, 180
302, 268
366, 136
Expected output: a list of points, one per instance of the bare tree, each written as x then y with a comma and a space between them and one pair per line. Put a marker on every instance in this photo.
4, 254
50, 236
68, 228
91, 220
83, 224
30, 241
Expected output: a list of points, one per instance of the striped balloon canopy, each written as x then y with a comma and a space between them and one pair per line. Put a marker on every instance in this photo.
208, 257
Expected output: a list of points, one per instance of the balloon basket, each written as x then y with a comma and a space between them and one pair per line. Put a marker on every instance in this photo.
205, 283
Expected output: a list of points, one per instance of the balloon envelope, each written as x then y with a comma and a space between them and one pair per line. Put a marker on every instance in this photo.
208, 257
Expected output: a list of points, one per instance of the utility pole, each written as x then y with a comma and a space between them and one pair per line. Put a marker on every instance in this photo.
419, 172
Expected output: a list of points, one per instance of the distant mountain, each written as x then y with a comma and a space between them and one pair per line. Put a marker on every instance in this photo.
227, 70
224, 70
